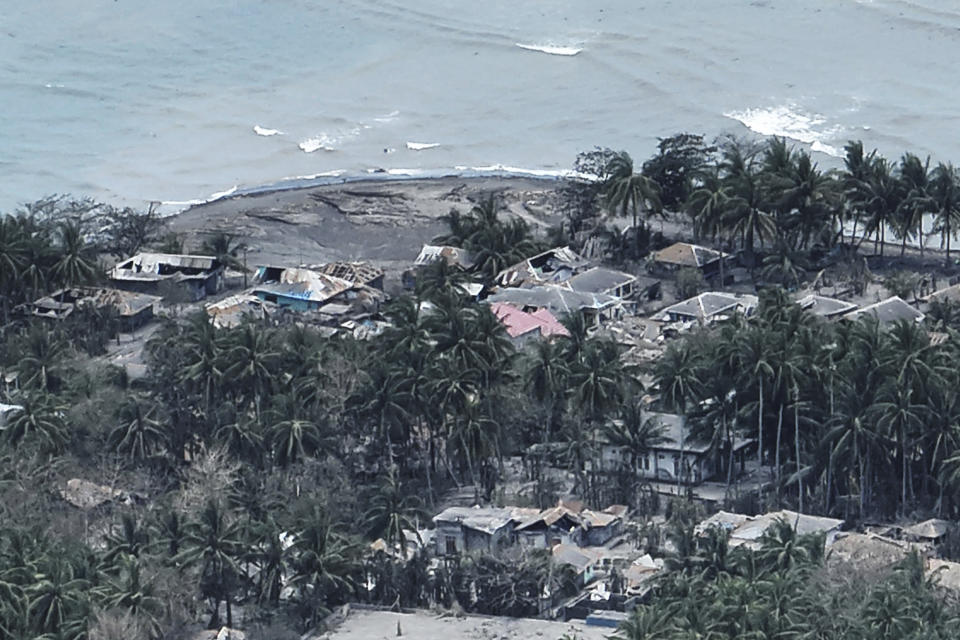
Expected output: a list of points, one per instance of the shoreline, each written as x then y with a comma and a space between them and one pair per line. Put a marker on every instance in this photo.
342, 177
379, 219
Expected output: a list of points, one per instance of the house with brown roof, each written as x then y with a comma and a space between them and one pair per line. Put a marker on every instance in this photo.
683, 255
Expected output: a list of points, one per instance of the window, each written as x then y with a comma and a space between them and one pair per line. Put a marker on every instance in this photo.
451, 544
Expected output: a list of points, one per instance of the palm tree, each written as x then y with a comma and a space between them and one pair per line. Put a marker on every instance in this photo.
546, 379
221, 246
293, 436
39, 418
132, 540
858, 169
213, 544
132, 592
627, 191
76, 262
138, 434
203, 356
393, 512
883, 196
945, 190
914, 175
249, 363
745, 212
57, 600
597, 381
323, 564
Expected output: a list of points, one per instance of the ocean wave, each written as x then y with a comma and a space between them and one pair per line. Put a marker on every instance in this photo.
263, 131
789, 121
390, 117
317, 143
422, 146
553, 50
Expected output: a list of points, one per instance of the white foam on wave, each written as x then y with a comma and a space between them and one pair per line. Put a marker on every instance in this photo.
323, 141
263, 131
422, 146
390, 117
789, 121
336, 173
551, 49
223, 194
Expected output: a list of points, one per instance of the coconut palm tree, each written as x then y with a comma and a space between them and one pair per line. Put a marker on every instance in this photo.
225, 248
914, 175
292, 435
40, 418
546, 379
76, 260
393, 512
323, 564
213, 544
58, 600
139, 434
629, 192
945, 191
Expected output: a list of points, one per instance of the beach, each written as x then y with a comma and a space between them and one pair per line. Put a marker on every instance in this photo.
377, 221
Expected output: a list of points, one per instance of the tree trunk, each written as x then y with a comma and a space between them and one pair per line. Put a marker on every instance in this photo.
948, 240
777, 456
796, 436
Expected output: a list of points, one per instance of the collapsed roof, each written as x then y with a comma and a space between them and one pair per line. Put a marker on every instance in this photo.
552, 266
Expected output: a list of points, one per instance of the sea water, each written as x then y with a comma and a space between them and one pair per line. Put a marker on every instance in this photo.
177, 101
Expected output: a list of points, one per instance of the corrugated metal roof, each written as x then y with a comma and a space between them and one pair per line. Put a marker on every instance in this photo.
518, 323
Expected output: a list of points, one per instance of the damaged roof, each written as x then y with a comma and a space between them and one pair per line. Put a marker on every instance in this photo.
454, 256
519, 323
825, 307
231, 310
487, 520
150, 266
356, 272
557, 299
888, 311
603, 280
684, 254
709, 305
553, 265
300, 283
60, 304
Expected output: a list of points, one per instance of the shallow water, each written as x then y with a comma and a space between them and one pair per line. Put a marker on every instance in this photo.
172, 101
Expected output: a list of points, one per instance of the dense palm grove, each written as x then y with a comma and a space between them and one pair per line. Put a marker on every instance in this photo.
263, 459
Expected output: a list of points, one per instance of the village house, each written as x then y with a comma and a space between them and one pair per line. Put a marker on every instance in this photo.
683, 255
198, 276
569, 523
468, 529
888, 312
133, 309
522, 326
231, 311
431, 254
748, 530
708, 307
359, 273
825, 307
615, 283
550, 267
302, 289
559, 301
676, 454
